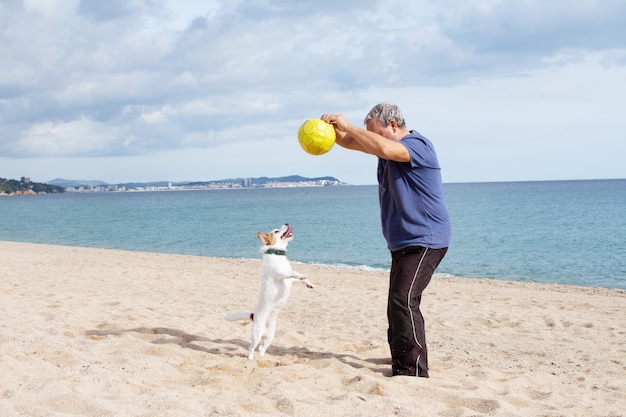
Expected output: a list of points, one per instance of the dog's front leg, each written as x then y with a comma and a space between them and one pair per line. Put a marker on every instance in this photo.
296, 276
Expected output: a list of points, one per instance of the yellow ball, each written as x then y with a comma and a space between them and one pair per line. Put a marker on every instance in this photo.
316, 136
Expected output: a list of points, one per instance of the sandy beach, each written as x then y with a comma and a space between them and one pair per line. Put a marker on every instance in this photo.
92, 332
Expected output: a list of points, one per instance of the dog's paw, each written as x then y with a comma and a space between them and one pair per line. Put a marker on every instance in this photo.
305, 281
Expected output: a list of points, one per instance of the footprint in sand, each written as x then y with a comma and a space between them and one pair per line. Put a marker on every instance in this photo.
480, 405
366, 385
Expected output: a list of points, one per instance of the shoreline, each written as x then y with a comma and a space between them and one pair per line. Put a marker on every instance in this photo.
103, 332
364, 268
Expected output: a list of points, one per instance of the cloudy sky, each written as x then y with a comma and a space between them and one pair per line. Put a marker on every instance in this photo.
143, 90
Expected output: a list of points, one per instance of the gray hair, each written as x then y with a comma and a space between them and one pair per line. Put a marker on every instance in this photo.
384, 113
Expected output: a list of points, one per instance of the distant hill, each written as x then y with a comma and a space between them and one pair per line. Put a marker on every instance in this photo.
293, 178
266, 180
76, 183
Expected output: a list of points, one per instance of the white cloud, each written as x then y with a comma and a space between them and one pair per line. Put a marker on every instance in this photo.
76, 137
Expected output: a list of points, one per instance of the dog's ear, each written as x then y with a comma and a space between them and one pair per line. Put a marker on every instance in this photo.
263, 238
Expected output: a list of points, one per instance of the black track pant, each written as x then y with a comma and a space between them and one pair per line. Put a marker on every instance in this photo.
411, 271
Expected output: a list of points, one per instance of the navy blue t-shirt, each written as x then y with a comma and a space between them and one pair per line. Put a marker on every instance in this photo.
412, 203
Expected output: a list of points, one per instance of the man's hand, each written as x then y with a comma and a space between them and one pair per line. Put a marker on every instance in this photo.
338, 120
341, 125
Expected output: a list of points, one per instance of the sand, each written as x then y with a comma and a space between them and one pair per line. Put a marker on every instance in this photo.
92, 332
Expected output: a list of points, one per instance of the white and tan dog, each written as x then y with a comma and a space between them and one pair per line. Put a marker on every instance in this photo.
278, 276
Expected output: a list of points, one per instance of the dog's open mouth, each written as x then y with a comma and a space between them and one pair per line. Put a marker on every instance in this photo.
288, 233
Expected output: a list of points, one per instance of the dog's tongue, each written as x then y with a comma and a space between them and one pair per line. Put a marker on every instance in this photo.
288, 233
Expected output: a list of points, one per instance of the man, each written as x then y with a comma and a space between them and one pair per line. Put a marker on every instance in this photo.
415, 222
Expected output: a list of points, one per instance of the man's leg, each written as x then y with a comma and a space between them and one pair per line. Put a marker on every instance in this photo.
411, 272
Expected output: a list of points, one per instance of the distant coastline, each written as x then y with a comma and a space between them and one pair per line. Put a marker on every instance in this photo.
24, 186
78, 186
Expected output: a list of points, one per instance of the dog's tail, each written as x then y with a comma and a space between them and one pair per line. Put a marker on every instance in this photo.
241, 315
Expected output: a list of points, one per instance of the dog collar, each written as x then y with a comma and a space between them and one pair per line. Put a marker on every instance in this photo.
275, 252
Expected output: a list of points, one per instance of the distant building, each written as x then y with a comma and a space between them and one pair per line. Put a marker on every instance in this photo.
25, 180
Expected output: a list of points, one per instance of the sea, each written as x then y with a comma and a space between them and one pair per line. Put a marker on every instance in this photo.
564, 232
